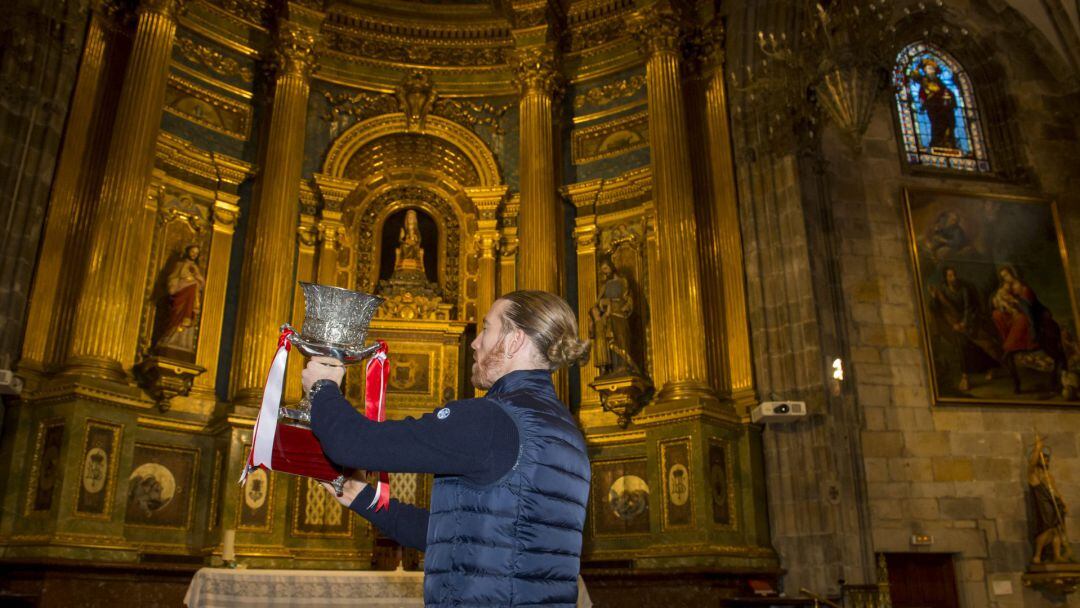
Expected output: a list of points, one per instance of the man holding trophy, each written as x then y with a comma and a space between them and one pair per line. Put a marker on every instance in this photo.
511, 469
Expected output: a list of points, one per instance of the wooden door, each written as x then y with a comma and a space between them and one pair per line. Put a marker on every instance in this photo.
922, 580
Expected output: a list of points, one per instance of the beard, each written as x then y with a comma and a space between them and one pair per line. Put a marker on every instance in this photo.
488, 368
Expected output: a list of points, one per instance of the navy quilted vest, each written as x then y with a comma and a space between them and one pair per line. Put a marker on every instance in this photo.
517, 541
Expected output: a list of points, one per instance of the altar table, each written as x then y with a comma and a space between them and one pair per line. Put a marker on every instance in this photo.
226, 587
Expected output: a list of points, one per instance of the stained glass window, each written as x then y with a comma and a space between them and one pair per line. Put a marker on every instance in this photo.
939, 121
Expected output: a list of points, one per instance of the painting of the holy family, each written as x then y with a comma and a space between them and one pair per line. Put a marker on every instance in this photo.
998, 312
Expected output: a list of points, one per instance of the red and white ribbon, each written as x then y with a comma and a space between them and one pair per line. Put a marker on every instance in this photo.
262, 438
378, 374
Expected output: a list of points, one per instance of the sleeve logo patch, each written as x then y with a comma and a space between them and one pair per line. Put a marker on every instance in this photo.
444, 413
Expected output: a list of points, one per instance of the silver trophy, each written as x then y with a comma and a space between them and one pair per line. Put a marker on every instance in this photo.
335, 325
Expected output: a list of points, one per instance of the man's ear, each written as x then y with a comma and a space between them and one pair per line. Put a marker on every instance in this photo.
515, 341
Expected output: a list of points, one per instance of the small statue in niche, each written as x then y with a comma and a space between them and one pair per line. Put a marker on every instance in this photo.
184, 285
1050, 510
409, 254
610, 323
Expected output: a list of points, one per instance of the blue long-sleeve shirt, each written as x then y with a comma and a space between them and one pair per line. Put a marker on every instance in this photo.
473, 438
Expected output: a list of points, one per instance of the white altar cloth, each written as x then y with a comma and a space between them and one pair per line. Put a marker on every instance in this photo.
224, 588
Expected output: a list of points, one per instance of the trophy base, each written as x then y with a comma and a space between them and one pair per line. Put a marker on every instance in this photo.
297, 452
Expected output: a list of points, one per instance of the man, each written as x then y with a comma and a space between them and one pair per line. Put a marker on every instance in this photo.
512, 473
967, 342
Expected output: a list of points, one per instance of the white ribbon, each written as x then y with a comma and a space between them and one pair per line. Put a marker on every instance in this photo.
262, 442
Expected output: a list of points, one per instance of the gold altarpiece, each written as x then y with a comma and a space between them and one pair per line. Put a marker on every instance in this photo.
677, 468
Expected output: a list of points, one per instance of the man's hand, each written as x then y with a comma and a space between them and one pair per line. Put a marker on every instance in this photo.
320, 368
353, 486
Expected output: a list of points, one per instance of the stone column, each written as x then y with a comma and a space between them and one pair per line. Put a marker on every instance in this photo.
540, 216
266, 288
721, 242
111, 289
677, 311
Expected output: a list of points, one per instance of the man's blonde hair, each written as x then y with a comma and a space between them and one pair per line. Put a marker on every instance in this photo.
549, 322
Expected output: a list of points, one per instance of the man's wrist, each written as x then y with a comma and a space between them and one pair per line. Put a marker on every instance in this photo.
318, 386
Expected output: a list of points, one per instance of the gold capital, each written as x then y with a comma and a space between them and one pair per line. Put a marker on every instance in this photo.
295, 50
657, 29
536, 70
166, 8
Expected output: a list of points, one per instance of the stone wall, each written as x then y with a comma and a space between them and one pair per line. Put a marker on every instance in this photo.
955, 472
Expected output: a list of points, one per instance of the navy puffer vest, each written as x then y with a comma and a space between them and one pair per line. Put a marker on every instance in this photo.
515, 542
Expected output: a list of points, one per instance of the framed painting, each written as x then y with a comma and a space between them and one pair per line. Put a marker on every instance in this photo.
46, 467
98, 474
161, 486
675, 464
998, 314
620, 497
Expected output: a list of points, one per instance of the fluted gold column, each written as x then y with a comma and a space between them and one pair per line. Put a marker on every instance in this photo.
540, 215
71, 207
331, 230
487, 200
721, 245
307, 237
678, 309
266, 290
226, 211
585, 237
103, 320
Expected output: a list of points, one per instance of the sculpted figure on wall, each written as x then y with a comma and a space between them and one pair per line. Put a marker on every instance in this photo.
1050, 510
184, 285
610, 322
409, 254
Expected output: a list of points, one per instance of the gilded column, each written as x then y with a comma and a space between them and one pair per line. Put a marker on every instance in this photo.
585, 237
266, 289
226, 211
540, 215
67, 227
508, 247
331, 231
111, 290
307, 237
680, 345
487, 201
721, 245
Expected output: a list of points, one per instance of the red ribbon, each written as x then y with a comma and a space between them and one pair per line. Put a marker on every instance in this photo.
378, 374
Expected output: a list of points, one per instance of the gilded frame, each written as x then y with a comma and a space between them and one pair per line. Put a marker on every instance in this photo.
581, 153
117, 431
911, 197
267, 524
294, 529
594, 505
665, 521
194, 484
729, 468
43, 428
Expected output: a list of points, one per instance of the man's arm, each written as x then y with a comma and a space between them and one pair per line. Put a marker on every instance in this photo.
473, 438
406, 524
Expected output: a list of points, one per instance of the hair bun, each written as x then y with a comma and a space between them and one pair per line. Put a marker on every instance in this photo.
568, 350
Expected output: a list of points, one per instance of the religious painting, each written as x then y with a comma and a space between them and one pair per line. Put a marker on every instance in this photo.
939, 123
721, 482
620, 497
214, 520
411, 373
316, 512
45, 469
678, 487
98, 474
161, 486
998, 316
609, 139
256, 512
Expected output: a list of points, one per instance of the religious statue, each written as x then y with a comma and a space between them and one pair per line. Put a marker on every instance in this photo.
184, 285
409, 255
610, 323
1050, 510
